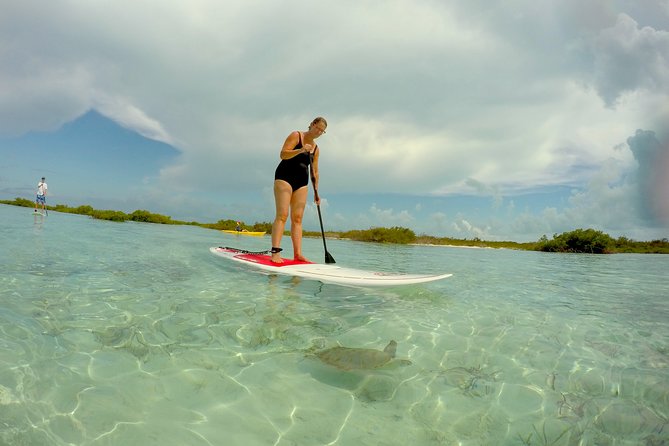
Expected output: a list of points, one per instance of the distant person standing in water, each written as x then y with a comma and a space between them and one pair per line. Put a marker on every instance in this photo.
291, 179
41, 194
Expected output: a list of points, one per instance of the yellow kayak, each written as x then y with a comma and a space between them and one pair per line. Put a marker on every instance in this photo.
232, 231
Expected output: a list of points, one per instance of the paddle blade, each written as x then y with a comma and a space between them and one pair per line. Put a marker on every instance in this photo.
329, 258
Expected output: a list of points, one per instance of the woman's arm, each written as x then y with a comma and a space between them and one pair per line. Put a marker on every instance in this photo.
287, 151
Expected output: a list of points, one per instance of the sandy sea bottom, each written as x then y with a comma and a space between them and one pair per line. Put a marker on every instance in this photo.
135, 334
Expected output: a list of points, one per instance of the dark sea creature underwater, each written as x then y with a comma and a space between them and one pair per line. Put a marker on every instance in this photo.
346, 358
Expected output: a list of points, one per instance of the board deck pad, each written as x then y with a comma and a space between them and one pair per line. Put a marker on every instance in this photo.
327, 273
266, 259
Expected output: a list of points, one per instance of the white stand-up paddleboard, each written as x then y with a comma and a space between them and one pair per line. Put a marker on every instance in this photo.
327, 273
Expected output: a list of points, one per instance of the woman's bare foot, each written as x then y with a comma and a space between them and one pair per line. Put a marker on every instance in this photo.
276, 257
301, 258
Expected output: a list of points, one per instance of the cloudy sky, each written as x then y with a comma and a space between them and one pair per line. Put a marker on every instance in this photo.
504, 120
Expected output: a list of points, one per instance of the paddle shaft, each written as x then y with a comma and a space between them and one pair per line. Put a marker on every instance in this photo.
328, 257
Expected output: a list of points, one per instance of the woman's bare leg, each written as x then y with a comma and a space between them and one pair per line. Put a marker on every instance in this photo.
282, 199
297, 204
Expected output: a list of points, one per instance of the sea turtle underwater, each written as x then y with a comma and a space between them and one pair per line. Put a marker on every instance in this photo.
346, 358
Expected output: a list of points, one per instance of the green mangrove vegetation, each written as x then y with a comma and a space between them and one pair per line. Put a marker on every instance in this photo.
231, 225
588, 240
381, 235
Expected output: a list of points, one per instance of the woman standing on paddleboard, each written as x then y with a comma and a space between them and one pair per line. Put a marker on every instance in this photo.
291, 180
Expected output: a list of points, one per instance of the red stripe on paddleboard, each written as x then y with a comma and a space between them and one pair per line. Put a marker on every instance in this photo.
264, 259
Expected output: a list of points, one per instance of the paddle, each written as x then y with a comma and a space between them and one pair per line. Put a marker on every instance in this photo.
328, 257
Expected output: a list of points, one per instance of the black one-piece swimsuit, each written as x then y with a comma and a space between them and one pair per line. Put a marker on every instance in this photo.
294, 171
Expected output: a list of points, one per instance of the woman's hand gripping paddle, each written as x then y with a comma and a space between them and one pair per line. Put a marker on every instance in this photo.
328, 257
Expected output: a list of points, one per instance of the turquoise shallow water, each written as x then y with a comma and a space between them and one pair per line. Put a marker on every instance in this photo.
134, 334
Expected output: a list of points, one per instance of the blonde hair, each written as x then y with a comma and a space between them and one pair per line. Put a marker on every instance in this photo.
317, 120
